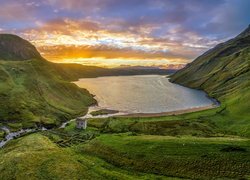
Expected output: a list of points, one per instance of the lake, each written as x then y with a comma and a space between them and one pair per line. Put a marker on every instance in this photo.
143, 94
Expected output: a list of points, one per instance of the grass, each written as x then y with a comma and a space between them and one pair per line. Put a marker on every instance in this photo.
123, 156
183, 146
34, 93
103, 112
223, 72
2, 135
187, 157
70, 135
36, 157
213, 122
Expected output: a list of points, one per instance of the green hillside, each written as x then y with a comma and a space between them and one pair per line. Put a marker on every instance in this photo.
37, 157
220, 71
223, 72
34, 91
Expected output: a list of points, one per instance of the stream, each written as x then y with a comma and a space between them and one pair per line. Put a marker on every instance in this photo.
12, 135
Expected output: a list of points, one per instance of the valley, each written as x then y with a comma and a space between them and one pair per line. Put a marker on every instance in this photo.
208, 144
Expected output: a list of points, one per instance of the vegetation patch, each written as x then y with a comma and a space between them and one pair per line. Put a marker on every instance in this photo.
36, 157
35, 93
189, 157
2, 134
103, 112
233, 149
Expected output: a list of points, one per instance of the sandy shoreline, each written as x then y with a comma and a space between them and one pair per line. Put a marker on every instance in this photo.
178, 112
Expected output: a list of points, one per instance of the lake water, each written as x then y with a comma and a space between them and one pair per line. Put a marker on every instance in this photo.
143, 94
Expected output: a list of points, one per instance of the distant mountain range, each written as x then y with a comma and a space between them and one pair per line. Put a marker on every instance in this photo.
169, 67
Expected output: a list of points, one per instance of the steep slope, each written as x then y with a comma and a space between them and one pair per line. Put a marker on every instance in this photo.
223, 72
34, 91
14, 48
226, 65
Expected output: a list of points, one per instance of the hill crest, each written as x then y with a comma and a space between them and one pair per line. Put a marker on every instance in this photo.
14, 48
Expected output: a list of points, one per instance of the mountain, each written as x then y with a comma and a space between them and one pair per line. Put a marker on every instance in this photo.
160, 67
225, 64
140, 70
223, 72
33, 91
14, 48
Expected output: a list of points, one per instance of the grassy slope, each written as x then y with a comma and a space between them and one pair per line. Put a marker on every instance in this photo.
33, 91
123, 156
105, 156
223, 72
214, 122
186, 157
36, 157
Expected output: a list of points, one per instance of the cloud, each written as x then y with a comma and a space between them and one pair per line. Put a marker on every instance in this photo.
86, 38
67, 26
14, 11
157, 29
75, 37
58, 52
231, 18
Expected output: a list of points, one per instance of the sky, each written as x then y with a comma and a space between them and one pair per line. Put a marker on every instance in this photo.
111, 33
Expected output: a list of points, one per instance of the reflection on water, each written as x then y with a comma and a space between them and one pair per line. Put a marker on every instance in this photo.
142, 94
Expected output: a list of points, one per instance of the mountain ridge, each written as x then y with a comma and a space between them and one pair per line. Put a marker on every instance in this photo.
229, 59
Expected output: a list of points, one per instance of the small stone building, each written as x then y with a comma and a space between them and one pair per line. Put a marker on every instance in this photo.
81, 123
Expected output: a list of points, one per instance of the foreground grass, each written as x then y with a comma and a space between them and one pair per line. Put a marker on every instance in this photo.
92, 154
36, 157
188, 157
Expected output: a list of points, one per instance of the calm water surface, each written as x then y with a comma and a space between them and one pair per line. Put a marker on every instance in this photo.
142, 94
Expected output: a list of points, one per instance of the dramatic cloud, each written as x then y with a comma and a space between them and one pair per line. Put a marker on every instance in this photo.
58, 52
120, 32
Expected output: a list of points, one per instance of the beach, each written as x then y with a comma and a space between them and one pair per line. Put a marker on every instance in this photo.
178, 112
